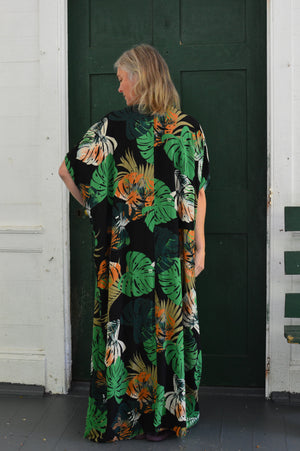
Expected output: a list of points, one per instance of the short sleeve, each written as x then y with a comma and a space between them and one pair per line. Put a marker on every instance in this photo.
80, 173
88, 154
202, 175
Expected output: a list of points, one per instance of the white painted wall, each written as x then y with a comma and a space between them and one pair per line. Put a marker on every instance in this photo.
34, 281
284, 181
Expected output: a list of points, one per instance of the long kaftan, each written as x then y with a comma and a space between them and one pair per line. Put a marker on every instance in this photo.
140, 176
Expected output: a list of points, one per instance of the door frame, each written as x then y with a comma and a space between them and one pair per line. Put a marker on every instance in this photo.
272, 70
282, 358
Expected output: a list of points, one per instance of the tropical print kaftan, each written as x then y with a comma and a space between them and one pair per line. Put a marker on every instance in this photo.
140, 176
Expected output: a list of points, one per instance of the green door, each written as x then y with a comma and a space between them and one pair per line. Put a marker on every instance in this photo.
217, 58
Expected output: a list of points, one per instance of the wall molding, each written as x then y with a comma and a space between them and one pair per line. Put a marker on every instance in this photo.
23, 230
30, 363
25, 250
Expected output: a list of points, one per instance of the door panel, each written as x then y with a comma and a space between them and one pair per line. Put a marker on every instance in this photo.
217, 59
209, 22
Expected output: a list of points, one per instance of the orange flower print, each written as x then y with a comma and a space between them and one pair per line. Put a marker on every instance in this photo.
138, 388
137, 191
100, 379
102, 276
85, 191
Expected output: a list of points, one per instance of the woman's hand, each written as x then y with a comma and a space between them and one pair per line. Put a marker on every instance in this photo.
199, 261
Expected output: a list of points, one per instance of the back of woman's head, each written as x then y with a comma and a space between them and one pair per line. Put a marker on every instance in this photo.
154, 88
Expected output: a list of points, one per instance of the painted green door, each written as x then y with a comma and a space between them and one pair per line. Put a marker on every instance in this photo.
217, 57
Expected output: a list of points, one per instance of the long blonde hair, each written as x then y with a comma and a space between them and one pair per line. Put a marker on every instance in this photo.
154, 88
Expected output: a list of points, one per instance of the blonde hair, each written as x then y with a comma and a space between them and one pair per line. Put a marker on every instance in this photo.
154, 88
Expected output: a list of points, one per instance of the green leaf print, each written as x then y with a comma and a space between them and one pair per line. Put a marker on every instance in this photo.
163, 210
190, 401
146, 145
96, 420
150, 346
190, 350
180, 149
136, 123
198, 370
159, 405
192, 415
174, 353
103, 182
139, 313
166, 248
98, 349
139, 277
170, 282
116, 377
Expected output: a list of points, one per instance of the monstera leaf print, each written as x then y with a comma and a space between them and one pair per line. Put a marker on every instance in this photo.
163, 209
116, 377
96, 421
180, 150
170, 282
198, 370
166, 248
190, 350
159, 405
140, 277
174, 353
136, 124
103, 182
192, 414
139, 314
150, 347
146, 145
96, 145
98, 349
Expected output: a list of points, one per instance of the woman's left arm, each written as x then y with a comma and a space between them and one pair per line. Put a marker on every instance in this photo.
70, 184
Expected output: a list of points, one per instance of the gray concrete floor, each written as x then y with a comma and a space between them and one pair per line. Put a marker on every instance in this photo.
230, 421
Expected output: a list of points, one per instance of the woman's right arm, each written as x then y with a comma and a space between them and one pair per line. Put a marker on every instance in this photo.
199, 233
70, 184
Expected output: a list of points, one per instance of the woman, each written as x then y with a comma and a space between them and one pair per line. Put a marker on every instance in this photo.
141, 171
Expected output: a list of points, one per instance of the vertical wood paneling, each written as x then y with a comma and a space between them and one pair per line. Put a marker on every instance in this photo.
33, 229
